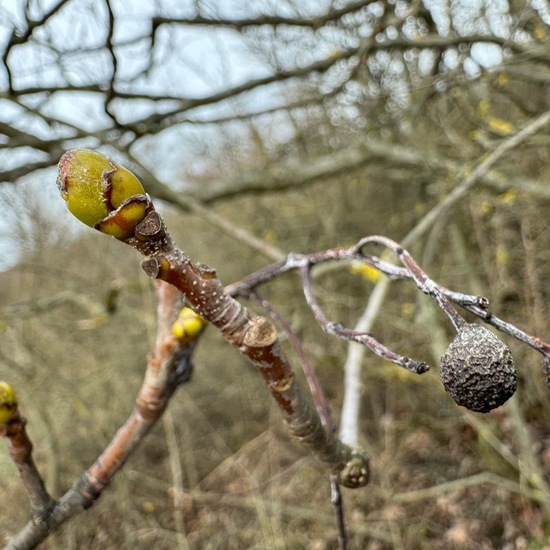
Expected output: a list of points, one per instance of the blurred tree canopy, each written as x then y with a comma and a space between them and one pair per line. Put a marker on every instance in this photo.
244, 97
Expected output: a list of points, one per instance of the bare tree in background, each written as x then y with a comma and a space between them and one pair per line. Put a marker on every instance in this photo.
212, 101
324, 87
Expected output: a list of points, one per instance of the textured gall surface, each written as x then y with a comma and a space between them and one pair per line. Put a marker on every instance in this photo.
478, 370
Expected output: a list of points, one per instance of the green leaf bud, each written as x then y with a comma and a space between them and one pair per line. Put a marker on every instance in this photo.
95, 188
8, 403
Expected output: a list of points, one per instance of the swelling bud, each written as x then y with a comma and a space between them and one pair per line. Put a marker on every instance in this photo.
8, 403
188, 326
478, 370
101, 193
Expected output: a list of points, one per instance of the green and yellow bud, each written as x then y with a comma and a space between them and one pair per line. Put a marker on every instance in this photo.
121, 222
101, 193
188, 325
8, 403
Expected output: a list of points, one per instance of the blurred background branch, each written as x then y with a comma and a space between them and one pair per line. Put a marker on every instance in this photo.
265, 128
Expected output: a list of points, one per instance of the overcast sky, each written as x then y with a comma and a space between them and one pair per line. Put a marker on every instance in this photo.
188, 63
194, 64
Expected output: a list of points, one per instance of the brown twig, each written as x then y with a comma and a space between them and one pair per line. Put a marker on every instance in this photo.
423, 282
254, 336
167, 368
323, 408
477, 305
336, 329
355, 253
336, 500
20, 448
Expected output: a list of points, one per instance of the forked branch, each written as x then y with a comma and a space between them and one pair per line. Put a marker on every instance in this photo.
108, 197
167, 368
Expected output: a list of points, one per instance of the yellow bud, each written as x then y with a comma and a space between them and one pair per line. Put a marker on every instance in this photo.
8, 403
82, 184
94, 186
124, 185
122, 222
188, 325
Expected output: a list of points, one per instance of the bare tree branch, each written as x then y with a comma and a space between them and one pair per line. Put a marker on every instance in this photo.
352, 374
331, 15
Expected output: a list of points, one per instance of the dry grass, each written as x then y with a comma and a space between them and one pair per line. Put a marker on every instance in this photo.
220, 472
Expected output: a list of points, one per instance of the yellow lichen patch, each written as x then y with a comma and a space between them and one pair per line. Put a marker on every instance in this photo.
408, 309
501, 126
485, 208
483, 108
508, 197
420, 207
270, 236
496, 125
503, 79
149, 507
502, 256
541, 32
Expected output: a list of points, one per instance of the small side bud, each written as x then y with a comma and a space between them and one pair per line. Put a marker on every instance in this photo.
188, 325
478, 370
8, 403
101, 193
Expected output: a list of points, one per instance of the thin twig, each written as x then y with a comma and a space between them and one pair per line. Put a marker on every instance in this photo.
167, 368
423, 282
177, 485
354, 253
20, 448
336, 499
336, 329
352, 373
